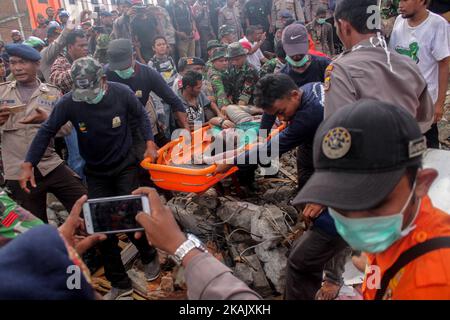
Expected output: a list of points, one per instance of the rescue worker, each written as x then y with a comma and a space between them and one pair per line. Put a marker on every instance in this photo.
376, 192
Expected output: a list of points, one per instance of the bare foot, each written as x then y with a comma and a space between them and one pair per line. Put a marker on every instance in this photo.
329, 291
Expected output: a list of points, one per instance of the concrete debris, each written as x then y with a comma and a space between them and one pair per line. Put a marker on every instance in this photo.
251, 235
269, 226
238, 214
274, 262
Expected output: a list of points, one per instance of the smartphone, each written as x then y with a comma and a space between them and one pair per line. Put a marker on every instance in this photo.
17, 109
114, 214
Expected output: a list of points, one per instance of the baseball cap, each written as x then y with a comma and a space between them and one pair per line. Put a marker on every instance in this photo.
15, 32
190, 61
360, 154
120, 54
295, 40
86, 75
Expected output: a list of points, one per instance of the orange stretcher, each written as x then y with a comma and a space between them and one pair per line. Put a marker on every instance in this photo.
166, 174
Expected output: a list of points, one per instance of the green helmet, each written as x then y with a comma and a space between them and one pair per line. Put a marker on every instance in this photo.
218, 53
34, 42
103, 41
213, 44
235, 49
86, 75
226, 30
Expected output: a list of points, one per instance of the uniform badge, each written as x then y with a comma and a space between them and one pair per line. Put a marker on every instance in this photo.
82, 127
336, 143
327, 82
116, 122
139, 94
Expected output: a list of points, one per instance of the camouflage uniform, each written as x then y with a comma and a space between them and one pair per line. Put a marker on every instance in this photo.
310, 8
215, 78
389, 11
293, 6
272, 66
100, 50
241, 82
322, 35
230, 17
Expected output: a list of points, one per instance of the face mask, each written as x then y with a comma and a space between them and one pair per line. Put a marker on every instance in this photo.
98, 98
373, 234
125, 74
297, 64
321, 20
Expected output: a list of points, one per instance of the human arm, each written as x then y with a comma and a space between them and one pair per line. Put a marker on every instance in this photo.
442, 88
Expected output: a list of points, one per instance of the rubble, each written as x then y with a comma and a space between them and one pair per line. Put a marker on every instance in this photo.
251, 235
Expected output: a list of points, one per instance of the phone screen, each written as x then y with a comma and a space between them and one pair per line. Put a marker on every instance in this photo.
115, 215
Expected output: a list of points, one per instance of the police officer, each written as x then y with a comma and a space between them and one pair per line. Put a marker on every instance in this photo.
25, 104
368, 69
241, 76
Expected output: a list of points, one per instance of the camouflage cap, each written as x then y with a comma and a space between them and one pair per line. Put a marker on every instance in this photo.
218, 53
213, 44
226, 30
86, 75
103, 41
235, 49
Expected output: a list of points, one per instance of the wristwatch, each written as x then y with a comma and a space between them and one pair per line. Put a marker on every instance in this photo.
191, 243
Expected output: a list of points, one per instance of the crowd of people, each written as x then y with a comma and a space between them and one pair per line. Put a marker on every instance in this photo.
85, 99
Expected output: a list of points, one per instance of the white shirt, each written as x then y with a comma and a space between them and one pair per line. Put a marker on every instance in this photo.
427, 44
255, 58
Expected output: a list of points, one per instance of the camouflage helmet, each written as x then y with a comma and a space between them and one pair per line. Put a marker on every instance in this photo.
226, 30
103, 41
213, 44
218, 53
86, 75
235, 49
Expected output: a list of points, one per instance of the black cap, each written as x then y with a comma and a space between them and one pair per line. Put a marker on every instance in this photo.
191, 61
360, 154
120, 54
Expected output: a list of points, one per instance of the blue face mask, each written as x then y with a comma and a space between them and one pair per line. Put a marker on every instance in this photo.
373, 234
125, 74
321, 20
298, 64
98, 98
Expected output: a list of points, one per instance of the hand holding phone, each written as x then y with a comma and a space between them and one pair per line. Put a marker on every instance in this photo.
114, 214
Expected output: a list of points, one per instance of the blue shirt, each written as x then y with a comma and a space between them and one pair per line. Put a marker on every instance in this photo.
299, 133
103, 130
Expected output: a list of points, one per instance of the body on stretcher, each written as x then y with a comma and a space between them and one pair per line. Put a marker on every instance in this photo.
175, 170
